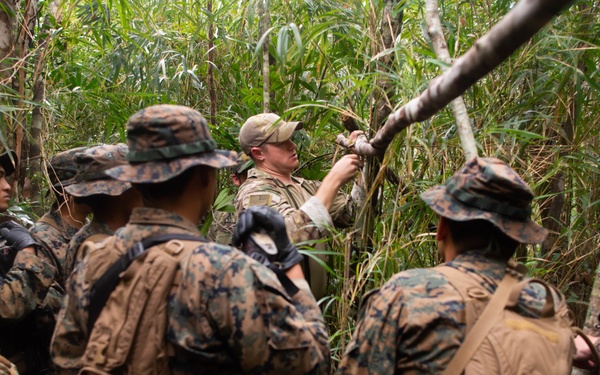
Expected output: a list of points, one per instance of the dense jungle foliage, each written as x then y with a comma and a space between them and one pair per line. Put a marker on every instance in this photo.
99, 62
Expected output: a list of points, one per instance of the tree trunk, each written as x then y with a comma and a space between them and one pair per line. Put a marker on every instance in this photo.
265, 21
390, 27
434, 30
211, 60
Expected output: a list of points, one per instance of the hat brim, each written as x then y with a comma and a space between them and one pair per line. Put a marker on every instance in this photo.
8, 161
107, 187
163, 170
285, 132
440, 201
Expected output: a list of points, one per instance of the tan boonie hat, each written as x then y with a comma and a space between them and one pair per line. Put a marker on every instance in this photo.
488, 189
266, 128
92, 164
62, 168
164, 141
8, 161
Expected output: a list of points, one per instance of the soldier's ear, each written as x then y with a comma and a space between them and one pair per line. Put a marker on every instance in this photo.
256, 153
442, 230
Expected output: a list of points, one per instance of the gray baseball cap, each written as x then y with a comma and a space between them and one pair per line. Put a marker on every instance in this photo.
266, 128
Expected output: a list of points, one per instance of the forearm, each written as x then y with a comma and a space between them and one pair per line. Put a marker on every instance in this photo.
328, 190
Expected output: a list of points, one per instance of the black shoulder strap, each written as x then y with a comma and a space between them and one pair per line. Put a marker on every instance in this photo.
104, 286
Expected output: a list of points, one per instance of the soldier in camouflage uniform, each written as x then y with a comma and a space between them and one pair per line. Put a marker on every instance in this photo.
221, 229
55, 229
228, 313
416, 321
28, 291
310, 208
110, 200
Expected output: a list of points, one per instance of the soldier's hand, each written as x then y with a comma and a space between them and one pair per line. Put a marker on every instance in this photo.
263, 219
7, 367
16, 236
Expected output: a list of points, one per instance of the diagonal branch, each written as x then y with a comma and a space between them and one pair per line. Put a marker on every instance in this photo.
517, 27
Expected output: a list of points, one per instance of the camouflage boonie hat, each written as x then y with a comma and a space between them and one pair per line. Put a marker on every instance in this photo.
91, 175
62, 169
244, 163
8, 161
488, 189
266, 128
164, 141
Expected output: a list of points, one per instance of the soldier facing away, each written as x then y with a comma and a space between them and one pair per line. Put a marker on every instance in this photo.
310, 208
225, 313
110, 200
417, 321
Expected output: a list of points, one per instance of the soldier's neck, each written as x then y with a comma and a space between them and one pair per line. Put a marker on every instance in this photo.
286, 178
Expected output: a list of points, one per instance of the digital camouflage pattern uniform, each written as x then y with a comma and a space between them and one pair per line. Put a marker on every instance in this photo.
51, 231
229, 314
415, 323
91, 179
30, 296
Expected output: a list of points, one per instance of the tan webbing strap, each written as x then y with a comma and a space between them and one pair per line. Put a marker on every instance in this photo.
483, 325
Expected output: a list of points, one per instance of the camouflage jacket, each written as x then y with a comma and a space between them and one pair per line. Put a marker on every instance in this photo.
54, 234
25, 286
228, 315
73, 253
221, 229
307, 221
415, 323
306, 217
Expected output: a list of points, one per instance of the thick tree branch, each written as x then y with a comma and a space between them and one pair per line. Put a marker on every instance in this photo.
518, 26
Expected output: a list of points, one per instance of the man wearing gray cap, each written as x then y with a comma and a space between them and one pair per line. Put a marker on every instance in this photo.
434, 320
310, 208
175, 303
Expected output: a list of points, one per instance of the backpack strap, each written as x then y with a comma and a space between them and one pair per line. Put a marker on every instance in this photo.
104, 286
485, 321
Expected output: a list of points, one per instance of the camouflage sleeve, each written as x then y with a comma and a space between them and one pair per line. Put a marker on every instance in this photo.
342, 210
414, 324
70, 334
271, 332
305, 224
343, 207
25, 285
240, 318
373, 345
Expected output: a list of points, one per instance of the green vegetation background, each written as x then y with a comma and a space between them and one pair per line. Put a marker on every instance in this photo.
539, 111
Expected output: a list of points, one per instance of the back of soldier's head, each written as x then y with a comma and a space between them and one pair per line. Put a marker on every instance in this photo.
61, 170
491, 200
93, 186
